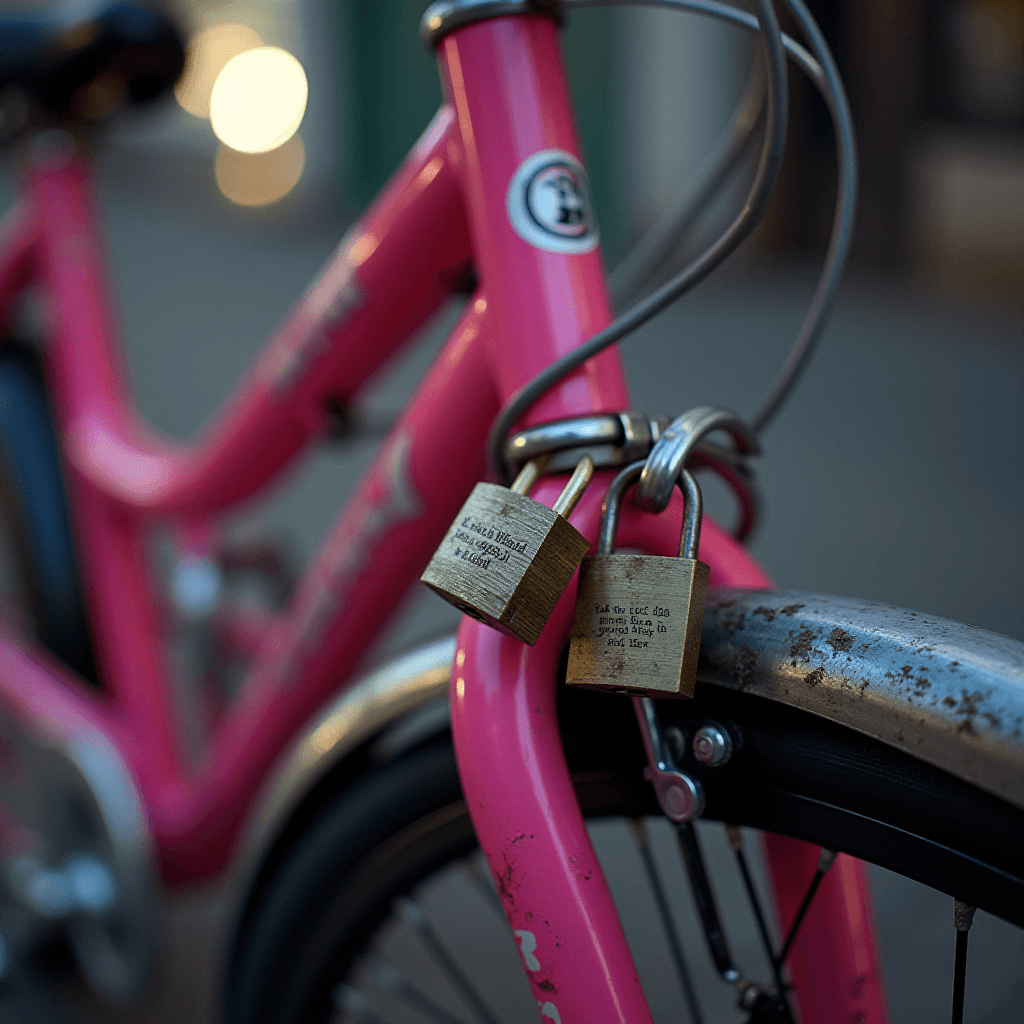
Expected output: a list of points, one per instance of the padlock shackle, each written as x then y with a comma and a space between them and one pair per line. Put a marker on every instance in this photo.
677, 443
693, 515
689, 542
570, 496
612, 503
581, 477
529, 475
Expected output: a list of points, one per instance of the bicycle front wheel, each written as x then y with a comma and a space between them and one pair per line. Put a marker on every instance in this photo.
40, 587
379, 911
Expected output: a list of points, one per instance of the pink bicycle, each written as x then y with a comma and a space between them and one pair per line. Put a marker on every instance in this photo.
350, 808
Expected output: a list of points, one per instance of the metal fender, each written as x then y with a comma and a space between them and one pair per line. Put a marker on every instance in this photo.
398, 705
949, 693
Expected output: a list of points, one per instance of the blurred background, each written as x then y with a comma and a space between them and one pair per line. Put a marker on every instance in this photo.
911, 416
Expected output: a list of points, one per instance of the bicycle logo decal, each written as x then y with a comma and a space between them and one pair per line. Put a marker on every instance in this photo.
549, 203
328, 304
391, 499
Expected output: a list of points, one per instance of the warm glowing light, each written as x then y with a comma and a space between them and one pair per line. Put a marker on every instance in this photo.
429, 173
208, 52
258, 179
258, 100
362, 249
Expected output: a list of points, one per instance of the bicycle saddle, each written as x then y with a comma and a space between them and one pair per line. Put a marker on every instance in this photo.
85, 61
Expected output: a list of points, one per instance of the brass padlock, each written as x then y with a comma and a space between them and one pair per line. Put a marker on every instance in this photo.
638, 617
507, 559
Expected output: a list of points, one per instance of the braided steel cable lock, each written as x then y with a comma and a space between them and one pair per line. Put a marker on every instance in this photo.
817, 62
613, 440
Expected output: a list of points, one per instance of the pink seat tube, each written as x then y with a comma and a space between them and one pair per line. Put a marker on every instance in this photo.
504, 76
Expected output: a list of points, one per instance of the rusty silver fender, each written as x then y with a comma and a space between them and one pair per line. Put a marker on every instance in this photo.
945, 692
948, 693
397, 704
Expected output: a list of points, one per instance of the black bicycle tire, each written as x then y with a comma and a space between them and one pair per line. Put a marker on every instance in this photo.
287, 948
300, 880
35, 511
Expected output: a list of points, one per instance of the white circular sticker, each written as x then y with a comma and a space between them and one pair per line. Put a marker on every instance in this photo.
549, 203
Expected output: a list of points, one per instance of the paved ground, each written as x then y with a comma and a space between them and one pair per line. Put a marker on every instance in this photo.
908, 425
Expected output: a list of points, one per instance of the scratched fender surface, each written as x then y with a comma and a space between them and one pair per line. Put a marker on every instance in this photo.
948, 693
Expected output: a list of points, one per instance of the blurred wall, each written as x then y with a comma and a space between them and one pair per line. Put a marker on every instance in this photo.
176, 152
936, 87
389, 84
680, 78
937, 92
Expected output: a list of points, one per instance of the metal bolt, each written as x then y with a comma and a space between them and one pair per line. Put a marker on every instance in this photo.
92, 882
84, 884
964, 916
675, 743
712, 745
682, 799
197, 585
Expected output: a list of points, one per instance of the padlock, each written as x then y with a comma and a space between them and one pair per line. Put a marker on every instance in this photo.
507, 559
638, 617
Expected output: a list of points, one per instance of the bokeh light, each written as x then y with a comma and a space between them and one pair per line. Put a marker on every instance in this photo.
258, 100
258, 179
208, 52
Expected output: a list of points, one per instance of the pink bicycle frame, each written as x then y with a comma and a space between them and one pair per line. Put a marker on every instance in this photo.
506, 100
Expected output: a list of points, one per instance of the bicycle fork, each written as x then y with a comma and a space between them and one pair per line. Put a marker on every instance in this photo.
531, 829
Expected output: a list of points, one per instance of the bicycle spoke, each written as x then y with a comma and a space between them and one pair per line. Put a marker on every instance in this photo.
417, 919
354, 1005
736, 842
825, 861
392, 981
964, 918
705, 900
675, 946
476, 870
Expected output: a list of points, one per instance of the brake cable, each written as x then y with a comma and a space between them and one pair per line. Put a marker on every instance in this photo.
822, 70
633, 272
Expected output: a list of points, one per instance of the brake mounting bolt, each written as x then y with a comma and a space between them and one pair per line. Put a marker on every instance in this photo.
712, 745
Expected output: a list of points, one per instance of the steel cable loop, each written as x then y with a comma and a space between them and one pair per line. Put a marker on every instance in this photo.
669, 455
825, 77
821, 69
634, 270
736, 476
753, 210
581, 431
842, 222
615, 440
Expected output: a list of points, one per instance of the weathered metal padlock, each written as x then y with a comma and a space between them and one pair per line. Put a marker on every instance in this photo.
507, 559
638, 617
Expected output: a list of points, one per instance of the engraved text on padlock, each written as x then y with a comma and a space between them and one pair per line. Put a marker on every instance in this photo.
638, 617
506, 560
